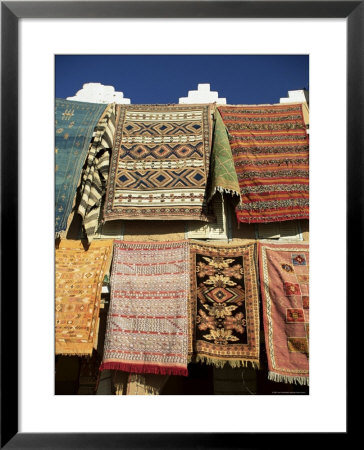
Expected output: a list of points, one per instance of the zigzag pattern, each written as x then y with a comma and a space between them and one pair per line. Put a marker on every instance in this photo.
166, 179
161, 128
160, 151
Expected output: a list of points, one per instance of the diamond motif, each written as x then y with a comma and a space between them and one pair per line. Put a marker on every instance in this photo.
161, 178
161, 151
184, 151
162, 129
132, 128
219, 294
139, 152
195, 177
123, 178
198, 177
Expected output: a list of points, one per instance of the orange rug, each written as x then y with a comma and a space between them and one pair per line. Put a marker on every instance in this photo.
269, 144
79, 276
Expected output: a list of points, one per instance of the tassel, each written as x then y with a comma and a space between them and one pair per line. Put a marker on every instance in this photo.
223, 191
220, 363
303, 381
144, 368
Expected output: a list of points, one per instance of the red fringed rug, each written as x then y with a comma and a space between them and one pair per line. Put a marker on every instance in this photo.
284, 285
270, 151
147, 322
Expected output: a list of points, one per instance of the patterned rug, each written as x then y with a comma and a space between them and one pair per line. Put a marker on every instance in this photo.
160, 163
224, 305
270, 151
223, 174
96, 172
75, 123
284, 275
147, 320
79, 276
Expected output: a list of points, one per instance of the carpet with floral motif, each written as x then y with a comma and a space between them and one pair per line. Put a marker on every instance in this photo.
224, 325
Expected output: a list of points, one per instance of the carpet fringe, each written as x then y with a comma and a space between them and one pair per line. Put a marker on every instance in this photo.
80, 354
223, 191
141, 368
220, 363
304, 381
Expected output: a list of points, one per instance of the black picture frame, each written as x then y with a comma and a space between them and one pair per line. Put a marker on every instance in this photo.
11, 12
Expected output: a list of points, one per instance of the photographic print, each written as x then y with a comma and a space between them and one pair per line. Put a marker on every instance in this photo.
181, 224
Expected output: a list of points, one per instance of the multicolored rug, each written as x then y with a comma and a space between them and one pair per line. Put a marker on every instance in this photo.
75, 123
284, 277
224, 325
223, 174
160, 163
79, 276
147, 322
96, 172
270, 151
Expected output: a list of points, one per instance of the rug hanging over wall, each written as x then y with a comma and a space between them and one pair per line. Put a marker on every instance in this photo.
79, 276
224, 325
75, 123
95, 173
160, 163
270, 151
223, 174
284, 275
147, 321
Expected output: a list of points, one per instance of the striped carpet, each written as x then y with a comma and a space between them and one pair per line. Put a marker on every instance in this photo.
270, 150
96, 171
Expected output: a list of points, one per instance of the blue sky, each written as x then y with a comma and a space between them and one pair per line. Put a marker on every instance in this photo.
165, 78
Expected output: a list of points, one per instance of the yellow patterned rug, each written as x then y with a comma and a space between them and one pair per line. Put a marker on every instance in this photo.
79, 276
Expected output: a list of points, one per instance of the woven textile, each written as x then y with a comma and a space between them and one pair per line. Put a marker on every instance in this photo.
223, 174
147, 319
79, 276
270, 151
75, 123
284, 275
224, 313
95, 174
160, 163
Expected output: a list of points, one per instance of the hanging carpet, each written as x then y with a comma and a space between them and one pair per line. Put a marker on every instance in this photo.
284, 277
74, 124
270, 150
95, 173
223, 174
224, 315
79, 275
160, 163
147, 321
